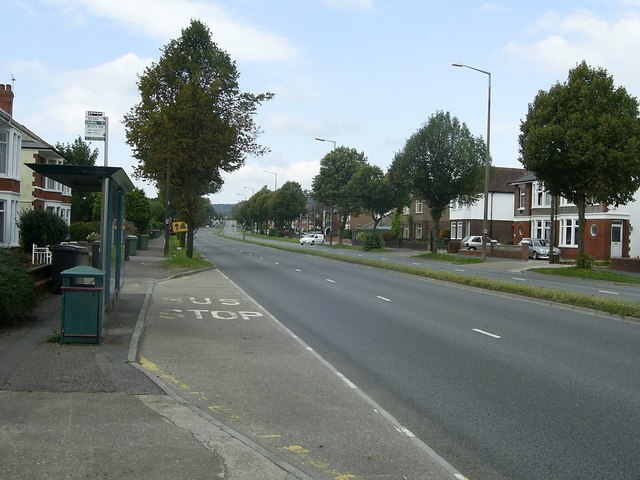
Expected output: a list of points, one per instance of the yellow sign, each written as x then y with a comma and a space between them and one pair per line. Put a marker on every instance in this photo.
178, 227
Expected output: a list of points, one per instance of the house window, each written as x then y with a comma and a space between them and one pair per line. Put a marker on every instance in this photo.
522, 198
406, 211
456, 231
593, 230
3, 152
419, 230
569, 231
541, 229
406, 232
541, 197
418, 206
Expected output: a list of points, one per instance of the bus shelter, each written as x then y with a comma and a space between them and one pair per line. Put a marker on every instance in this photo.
114, 184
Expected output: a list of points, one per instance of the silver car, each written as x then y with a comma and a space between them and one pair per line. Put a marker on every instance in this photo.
539, 248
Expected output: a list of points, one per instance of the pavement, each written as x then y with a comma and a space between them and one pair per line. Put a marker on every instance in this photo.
193, 380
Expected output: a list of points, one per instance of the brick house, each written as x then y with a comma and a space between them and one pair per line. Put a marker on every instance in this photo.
467, 219
607, 229
20, 187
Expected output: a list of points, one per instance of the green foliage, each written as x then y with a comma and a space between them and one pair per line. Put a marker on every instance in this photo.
331, 186
287, 204
585, 262
374, 192
79, 231
17, 291
138, 210
582, 140
371, 241
80, 153
440, 163
396, 225
42, 228
192, 122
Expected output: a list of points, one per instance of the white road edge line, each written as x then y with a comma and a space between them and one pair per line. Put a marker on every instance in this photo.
488, 334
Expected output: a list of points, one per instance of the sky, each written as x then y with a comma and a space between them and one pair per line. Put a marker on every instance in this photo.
365, 74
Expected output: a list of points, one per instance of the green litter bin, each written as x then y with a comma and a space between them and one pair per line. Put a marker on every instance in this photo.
143, 241
130, 246
82, 305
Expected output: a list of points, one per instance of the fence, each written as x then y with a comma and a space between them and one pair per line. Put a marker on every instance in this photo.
40, 255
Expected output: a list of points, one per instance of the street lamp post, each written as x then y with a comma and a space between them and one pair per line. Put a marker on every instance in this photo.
276, 179
487, 161
331, 213
252, 190
243, 195
327, 140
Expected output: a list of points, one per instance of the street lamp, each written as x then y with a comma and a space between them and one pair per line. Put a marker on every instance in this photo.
326, 140
276, 179
243, 194
331, 213
487, 160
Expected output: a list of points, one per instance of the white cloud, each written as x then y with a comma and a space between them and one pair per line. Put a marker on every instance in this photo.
165, 19
560, 42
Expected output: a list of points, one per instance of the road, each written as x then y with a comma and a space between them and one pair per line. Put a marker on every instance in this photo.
500, 387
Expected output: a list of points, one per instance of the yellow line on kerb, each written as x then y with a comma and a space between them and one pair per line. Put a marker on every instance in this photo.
153, 368
305, 457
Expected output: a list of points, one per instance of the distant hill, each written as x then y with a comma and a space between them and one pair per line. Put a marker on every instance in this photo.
224, 209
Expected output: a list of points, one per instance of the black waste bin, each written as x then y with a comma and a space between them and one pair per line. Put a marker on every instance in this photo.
64, 257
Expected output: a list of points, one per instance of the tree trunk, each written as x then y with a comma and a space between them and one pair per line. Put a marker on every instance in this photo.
581, 222
435, 233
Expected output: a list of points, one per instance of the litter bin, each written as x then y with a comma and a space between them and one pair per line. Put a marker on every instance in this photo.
130, 246
143, 241
63, 257
82, 305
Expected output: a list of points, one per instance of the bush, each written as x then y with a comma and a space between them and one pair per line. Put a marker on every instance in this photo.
585, 261
371, 241
42, 228
79, 231
17, 291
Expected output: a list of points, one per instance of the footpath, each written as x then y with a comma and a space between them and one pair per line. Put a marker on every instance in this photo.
193, 380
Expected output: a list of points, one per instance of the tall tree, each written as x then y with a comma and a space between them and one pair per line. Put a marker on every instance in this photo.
287, 204
138, 210
192, 122
582, 139
331, 184
79, 153
439, 163
375, 193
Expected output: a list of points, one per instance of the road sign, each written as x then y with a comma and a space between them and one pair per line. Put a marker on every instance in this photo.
179, 227
95, 126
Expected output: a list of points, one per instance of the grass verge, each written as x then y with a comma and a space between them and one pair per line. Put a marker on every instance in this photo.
589, 274
610, 306
178, 260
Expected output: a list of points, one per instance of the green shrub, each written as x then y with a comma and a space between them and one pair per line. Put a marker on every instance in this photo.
17, 291
79, 231
585, 261
371, 241
42, 228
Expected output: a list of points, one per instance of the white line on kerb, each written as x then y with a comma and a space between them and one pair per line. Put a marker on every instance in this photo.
486, 333
383, 298
607, 291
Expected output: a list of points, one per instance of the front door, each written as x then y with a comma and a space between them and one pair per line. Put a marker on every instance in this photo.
616, 239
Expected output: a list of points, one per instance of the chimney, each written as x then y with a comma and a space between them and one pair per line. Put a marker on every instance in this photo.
6, 99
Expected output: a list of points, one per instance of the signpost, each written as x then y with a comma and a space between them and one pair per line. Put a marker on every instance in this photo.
96, 128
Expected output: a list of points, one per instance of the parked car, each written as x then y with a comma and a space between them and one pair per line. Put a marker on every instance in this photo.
474, 242
539, 248
311, 238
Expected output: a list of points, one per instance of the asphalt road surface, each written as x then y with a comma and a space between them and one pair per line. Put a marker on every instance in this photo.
500, 387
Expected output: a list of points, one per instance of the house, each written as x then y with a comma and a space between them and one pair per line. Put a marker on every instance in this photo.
608, 230
20, 187
465, 219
